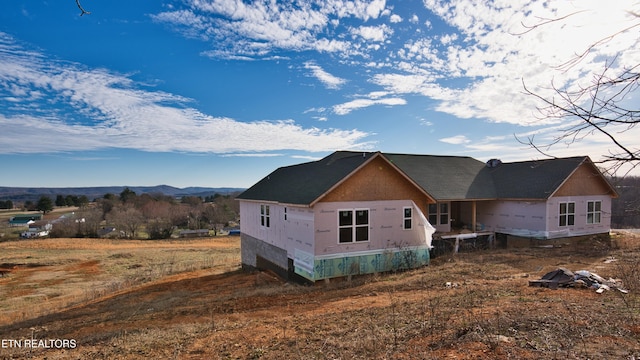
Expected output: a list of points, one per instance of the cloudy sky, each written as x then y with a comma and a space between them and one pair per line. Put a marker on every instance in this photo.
220, 93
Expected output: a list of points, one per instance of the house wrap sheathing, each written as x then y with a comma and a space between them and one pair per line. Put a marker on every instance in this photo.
394, 256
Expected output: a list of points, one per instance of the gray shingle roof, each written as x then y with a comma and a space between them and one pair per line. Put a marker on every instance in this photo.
443, 177
304, 183
447, 177
537, 179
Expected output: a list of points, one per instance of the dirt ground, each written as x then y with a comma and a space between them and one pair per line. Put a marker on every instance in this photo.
465, 306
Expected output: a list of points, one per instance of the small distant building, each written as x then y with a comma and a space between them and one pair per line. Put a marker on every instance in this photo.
37, 229
107, 231
24, 220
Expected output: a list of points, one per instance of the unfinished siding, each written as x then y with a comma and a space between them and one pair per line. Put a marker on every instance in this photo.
390, 245
584, 185
290, 229
378, 180
522, 218
586, 180
385, 227
581, 225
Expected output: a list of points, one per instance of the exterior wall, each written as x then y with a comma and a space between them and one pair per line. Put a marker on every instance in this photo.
390, 246
540, 219
522, 218
580, 226
385, 227
294, 233
366, 263
585, 184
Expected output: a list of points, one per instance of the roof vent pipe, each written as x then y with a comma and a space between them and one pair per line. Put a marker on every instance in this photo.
492, 163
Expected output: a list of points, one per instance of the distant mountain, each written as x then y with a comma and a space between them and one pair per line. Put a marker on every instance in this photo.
19, 194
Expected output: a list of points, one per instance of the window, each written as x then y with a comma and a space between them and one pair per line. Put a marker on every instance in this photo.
353, 225
439, 214
265, 218
285, 214
444, 213
594, 211
567, 214
433, 214
406, 218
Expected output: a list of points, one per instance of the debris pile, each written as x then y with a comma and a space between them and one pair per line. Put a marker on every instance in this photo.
581, 278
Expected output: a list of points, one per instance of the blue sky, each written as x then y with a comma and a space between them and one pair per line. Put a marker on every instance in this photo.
220, 93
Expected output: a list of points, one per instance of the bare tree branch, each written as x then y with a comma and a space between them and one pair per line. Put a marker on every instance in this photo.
543, 21
598, 108
83, 11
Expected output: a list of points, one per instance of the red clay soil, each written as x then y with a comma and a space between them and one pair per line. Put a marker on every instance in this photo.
487, 311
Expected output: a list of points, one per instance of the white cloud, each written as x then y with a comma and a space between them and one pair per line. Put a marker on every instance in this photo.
116, 112
493, 53
330, 81
395, 18
373, 33
506, 147
345, 108
255, 29
474, 68
456, 140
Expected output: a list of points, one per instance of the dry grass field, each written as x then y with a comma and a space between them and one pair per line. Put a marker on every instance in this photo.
189, 300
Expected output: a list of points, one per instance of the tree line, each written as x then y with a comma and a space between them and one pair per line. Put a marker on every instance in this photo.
625, 210
150, 216
6, 204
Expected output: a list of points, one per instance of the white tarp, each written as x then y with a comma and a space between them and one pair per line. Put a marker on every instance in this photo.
428, 228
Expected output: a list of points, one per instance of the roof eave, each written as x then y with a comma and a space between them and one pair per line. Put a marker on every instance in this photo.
273, 202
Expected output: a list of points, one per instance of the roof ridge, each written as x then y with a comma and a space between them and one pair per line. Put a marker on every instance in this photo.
431, 155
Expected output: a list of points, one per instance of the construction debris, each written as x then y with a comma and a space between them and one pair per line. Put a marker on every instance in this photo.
581, 278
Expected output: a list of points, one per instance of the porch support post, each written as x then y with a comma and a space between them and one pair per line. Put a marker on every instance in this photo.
473, 216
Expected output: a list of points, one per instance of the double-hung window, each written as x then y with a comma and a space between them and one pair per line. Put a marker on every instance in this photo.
444, 213
594, 212
265, 217
353, 225
407, 218
439, 213
567, 214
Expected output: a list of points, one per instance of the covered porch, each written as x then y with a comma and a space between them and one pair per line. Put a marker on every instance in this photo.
458, 228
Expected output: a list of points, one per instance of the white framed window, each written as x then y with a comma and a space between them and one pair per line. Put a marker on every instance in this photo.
444, 213
594, 211
439, 213
265, 216
567, 214
353, 225
407, 218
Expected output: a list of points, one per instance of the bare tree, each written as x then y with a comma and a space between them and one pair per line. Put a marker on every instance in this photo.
605, 107
161, 217
91, 220
127, 219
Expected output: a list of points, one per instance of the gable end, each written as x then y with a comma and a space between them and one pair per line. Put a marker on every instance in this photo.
585, 180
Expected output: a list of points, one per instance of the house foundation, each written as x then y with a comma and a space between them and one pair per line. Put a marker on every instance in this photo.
258, 254
513, 241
